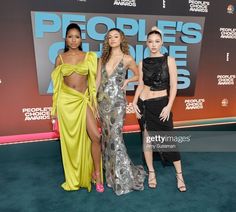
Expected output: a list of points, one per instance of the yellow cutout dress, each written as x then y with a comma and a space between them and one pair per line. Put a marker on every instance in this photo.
70, 107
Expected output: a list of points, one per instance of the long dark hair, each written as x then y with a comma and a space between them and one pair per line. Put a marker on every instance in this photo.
69, 27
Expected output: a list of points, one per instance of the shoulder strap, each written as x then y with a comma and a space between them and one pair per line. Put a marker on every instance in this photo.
61, 58
123, 57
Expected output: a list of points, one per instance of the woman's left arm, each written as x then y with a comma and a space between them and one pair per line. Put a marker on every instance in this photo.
131, 65
173, 80
165, 113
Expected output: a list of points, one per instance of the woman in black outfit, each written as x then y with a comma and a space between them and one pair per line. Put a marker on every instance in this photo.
152, 104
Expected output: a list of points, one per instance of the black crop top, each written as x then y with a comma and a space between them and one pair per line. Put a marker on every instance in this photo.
156, 73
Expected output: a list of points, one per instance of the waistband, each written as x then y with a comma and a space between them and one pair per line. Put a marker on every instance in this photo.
154, 99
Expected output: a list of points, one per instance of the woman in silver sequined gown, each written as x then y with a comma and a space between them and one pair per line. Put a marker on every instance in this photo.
120, 173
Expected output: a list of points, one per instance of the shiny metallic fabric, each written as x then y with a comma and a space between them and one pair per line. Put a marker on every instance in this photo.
120, 172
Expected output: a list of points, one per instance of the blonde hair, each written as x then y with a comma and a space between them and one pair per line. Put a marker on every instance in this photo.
106, 49
155, 30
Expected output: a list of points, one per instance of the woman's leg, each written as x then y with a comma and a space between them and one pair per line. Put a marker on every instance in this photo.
152, 183
180, 180
148, 154
94, 135
149, 159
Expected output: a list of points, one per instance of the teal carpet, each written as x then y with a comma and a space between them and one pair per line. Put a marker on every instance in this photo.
31, 174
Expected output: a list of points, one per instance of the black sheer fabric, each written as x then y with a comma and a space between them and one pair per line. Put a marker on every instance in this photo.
156, 73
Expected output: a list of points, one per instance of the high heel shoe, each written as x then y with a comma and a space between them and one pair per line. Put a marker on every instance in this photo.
152, 182
183, 187
99, 186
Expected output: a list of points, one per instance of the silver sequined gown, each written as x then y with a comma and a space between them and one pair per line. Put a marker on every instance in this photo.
120, 172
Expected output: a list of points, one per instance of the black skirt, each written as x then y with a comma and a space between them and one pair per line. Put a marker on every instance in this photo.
150, 110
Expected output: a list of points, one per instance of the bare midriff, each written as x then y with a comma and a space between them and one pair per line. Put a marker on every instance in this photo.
148, 94
76, 81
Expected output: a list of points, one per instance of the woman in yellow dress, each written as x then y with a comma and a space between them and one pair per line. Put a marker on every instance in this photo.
74, 105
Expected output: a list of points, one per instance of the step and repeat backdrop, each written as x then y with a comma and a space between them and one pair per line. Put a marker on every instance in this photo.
201, 35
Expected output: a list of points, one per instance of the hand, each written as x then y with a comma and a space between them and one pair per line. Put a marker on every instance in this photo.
137, 111
94, 107
125, 84
96, 113
55, 126
165, 114
53, 119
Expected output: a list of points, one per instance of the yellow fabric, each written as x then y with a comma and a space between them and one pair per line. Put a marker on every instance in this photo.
70, 107
87, 67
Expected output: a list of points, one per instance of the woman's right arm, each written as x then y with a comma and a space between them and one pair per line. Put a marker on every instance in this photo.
138, 90
55, 79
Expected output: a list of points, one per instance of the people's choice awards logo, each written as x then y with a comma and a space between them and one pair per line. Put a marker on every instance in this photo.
198, 6
182, 38
194, 104
130, 108
228, 33
226, 79
127, 3
38, 113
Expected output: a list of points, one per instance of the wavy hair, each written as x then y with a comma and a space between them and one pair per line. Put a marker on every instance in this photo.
106, 49
69, 27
